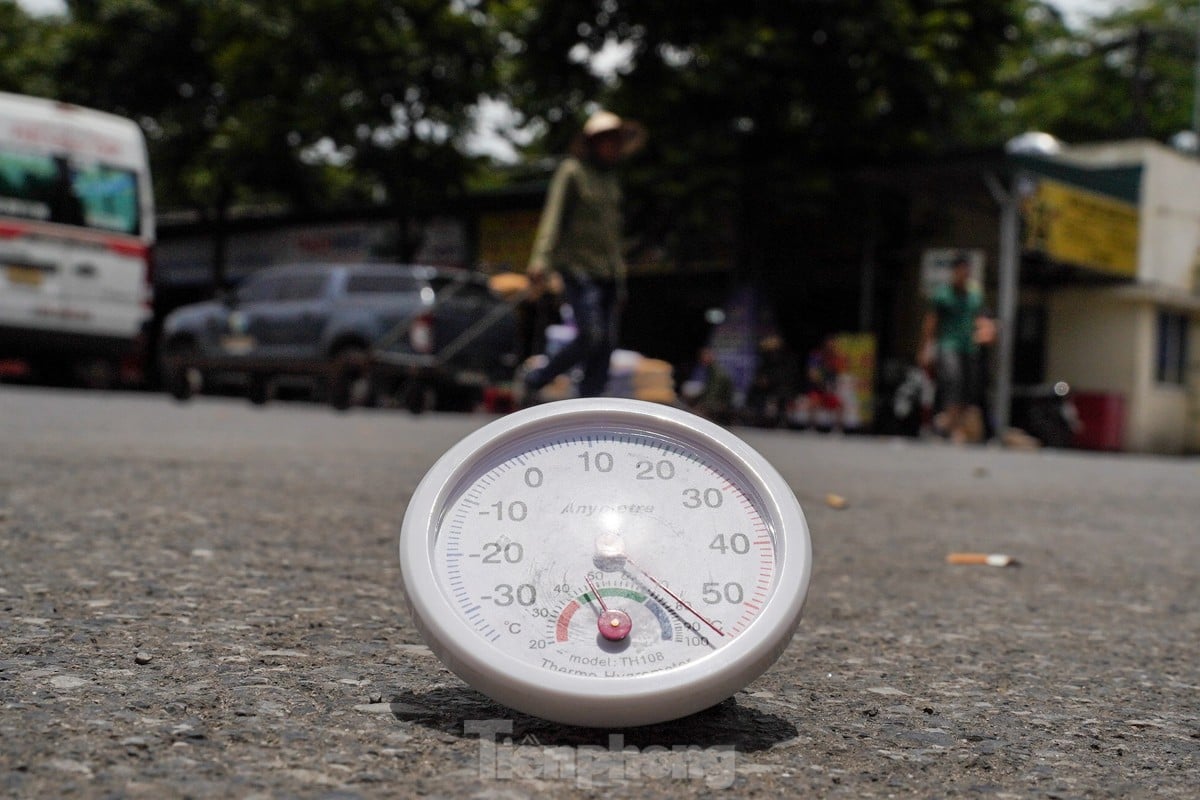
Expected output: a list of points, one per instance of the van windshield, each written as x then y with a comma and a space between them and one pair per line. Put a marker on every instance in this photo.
52, 188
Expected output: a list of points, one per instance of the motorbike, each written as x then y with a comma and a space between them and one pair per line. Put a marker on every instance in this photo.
1047, 412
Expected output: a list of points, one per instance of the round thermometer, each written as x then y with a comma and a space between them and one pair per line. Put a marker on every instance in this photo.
605, 562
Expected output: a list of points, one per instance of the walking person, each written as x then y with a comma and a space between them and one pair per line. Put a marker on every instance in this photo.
953, 330
579, 237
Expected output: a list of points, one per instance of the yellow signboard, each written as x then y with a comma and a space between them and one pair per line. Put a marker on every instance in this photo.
1082, 228
856, 378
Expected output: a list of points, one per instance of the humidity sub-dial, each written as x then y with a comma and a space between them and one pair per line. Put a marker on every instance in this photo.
614, 618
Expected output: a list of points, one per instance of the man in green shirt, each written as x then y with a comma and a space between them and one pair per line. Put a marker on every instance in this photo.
580, 237
953, 330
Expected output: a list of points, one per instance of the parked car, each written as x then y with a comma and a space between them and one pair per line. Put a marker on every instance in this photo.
362, 331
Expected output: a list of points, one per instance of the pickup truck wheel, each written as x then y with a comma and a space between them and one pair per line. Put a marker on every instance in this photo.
350, 378
177, 375
259, 390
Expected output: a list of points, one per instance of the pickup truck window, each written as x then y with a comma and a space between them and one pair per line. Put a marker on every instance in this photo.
303, 287
381, 284
260, 288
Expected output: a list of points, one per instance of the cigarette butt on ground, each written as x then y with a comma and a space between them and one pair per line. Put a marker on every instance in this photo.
982, 559
835, 501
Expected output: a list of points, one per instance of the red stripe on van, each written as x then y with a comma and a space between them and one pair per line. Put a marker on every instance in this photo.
136, 249
121, 244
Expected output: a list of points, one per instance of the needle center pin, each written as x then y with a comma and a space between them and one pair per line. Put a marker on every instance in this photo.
614, 625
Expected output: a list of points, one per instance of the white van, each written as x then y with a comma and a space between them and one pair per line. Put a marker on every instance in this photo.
76, 240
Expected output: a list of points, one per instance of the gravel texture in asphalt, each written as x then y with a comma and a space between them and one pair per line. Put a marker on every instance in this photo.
204, 600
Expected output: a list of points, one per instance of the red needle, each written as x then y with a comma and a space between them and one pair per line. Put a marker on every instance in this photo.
613, 625
596, 594
676, 597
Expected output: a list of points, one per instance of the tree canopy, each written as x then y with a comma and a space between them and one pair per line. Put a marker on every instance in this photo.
750, 104
27, 51
322, 104
312, 103
1129, 74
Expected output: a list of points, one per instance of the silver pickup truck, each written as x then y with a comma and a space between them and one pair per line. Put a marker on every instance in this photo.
362, 331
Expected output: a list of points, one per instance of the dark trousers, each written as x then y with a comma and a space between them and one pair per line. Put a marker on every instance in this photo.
594, 304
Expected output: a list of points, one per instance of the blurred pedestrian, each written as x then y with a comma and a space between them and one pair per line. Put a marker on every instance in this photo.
713, 391
822, 397
580, 237
775, 384
953, 330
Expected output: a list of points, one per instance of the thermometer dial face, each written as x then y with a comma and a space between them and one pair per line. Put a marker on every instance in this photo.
605, 562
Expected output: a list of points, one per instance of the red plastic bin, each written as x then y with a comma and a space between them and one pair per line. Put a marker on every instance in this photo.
1102, 418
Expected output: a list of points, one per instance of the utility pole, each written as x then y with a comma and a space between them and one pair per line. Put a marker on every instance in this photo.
1196, 84
1008, 283
1141, 44
1031, 145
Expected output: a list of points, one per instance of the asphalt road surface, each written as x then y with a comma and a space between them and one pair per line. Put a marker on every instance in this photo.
204, 600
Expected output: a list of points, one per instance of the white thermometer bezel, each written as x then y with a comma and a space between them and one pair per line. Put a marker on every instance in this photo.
588, 700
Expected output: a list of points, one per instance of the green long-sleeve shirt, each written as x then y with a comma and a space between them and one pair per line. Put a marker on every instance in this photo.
580, 228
